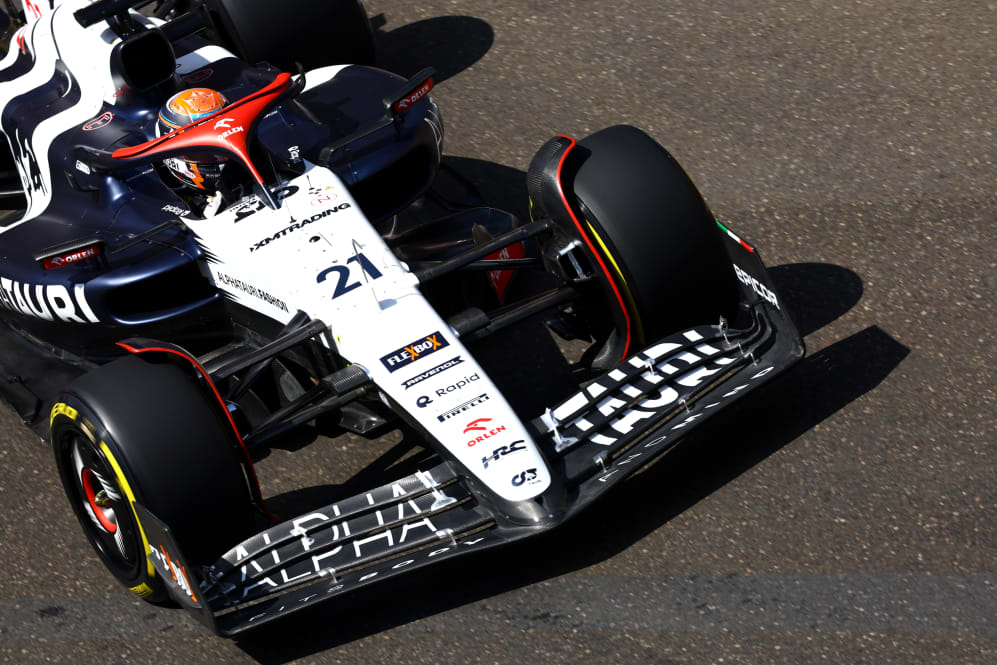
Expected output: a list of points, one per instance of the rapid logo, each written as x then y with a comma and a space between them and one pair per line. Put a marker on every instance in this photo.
454, 387
488, 432
412, 352
442, 367
461, 408
502, 451
423, 402
757, 286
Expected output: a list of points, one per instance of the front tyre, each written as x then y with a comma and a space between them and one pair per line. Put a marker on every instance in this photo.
136, 430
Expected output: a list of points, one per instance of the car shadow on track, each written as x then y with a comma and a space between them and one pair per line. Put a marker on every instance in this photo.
449, 44
718, 452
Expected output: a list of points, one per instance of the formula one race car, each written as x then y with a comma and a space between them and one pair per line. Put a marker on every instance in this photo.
201, 256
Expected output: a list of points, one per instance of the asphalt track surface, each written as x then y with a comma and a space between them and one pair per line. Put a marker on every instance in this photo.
844, 515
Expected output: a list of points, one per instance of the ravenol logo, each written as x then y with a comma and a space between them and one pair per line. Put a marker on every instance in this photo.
412, 352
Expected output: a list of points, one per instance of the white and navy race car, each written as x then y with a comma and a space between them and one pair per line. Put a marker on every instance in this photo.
201, 255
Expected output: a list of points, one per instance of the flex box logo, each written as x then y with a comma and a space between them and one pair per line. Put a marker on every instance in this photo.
412, 352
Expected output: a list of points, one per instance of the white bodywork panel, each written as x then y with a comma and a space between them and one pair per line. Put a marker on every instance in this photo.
319, 254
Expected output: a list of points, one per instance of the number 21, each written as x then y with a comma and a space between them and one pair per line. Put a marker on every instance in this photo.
343, 284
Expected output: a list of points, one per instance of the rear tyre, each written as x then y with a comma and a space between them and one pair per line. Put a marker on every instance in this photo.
315, 33
135, 430
655, 235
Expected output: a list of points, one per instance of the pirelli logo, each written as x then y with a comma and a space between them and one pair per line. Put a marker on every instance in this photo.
457, 410
412, 352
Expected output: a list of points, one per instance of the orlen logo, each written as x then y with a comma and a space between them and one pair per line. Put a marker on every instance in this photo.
476, 426
486, 432
100, 121
226, 123
411, 98
412, 352
73, 257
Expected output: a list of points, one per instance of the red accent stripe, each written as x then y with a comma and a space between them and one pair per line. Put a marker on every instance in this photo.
581, 231
255, 482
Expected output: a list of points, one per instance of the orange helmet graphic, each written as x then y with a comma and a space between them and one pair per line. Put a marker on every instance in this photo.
183, 108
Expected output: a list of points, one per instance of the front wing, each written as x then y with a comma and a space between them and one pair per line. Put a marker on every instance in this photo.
613, 427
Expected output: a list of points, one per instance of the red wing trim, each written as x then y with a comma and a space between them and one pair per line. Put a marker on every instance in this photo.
585, 236
254, 480
227, 129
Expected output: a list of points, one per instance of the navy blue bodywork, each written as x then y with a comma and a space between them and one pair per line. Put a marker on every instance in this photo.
155, 287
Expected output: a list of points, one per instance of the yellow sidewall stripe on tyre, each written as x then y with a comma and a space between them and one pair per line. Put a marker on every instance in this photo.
141, 589
63, 409
623, 283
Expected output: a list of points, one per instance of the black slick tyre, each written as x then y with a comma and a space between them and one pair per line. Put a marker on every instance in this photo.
658, 239
139, 430
314, 33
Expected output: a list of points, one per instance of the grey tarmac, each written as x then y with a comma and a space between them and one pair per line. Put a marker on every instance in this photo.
845, 514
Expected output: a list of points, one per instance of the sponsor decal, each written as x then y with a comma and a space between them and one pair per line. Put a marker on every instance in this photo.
254, 205
297, 225
175, 210
423, 402
454, 387
476, 426
757, 286
487, 432
239, 285
226, 124
313, 552
52, 302
82, 168
294, 153
502, 451
412, 352
528, 477
198, 76
646, 388
461, 408
322, 195
69, 258
429, 373
411, 98
102, 120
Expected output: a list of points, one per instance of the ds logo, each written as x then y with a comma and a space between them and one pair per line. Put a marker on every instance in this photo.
528, 476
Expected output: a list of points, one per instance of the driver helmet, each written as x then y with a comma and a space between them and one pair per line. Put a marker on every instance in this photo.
198, 171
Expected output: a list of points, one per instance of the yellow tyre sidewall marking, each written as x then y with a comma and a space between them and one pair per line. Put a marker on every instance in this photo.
141, 589
623, 283
62, 409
